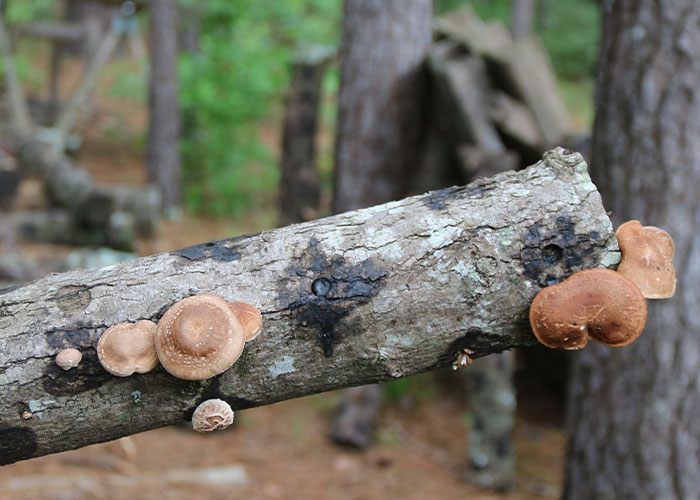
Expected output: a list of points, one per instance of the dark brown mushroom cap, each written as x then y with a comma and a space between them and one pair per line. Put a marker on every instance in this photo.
249, 317
199, 337
128, 348
212, 415
647, 259
597, 303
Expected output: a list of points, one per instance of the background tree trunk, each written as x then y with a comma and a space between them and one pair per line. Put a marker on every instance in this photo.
300, 186
358, 298
164, 169
383, 49
633, 412
520, 18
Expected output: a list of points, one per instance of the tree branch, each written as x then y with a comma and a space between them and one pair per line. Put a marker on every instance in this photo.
357, 298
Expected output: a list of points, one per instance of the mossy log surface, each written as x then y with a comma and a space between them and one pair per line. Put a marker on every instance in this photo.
361, 297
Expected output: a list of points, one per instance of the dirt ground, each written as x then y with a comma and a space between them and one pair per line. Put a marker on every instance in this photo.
281, 451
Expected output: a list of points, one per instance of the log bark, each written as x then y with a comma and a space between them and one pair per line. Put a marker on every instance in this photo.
358, 298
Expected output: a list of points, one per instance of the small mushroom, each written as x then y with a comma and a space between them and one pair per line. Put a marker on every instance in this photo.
249, 317
68, 358
128, 348
599, 303
199, 337
647, 259
212, 415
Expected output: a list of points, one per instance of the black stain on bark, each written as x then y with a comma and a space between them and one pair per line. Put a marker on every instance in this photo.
228, 250
320, 291
16, 443
551, 255
476, 340
89, 374
8, 289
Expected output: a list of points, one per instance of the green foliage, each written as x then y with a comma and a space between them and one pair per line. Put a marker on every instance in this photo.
232, 85
570, 29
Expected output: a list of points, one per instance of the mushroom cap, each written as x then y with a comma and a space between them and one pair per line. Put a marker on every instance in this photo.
199, 337
128, 348
647, 259
249, 317
212, 415
68, 358
597, 303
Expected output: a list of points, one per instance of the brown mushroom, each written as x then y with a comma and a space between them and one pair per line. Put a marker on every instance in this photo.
199, 337
647, 259
249, 317
597, 303
128, 348
212, 415
68, 358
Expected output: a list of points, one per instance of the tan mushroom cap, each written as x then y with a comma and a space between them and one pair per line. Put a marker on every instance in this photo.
212, 415
249, 317
128, 348
199, 337
647, 259
68, 358
597, 303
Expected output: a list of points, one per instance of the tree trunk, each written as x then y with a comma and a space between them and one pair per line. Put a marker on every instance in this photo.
300, 185
633, 412
164, 168
383, 49
520, 18
379, 114
359, 298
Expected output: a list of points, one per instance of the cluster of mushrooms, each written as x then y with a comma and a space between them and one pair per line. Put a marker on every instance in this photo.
197, 338
608, 306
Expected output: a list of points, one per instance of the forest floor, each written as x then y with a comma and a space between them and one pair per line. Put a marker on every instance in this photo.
281, 450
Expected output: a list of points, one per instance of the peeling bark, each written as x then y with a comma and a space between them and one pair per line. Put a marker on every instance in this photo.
358, 298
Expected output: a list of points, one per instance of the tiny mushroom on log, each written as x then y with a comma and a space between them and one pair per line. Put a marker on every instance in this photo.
68, 358
212, 415
128, 348
647, 259
199, 337
597, 303
249, 317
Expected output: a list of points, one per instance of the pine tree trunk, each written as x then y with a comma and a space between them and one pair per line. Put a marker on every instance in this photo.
379, 113
633, 412
164, 168
379, 133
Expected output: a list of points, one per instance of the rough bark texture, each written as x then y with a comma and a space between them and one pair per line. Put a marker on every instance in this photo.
164, 168
383, 47
353, 299
300, 185
633, 412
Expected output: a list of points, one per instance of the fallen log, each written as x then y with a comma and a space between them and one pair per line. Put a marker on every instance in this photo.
362, 297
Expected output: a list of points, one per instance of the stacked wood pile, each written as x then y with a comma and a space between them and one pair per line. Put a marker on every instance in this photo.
498, 106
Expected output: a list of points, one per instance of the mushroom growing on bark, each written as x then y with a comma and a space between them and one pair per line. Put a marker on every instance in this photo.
249, 317
68, 358
597, 303
128, 348
647, 259
212, 415
199, 337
